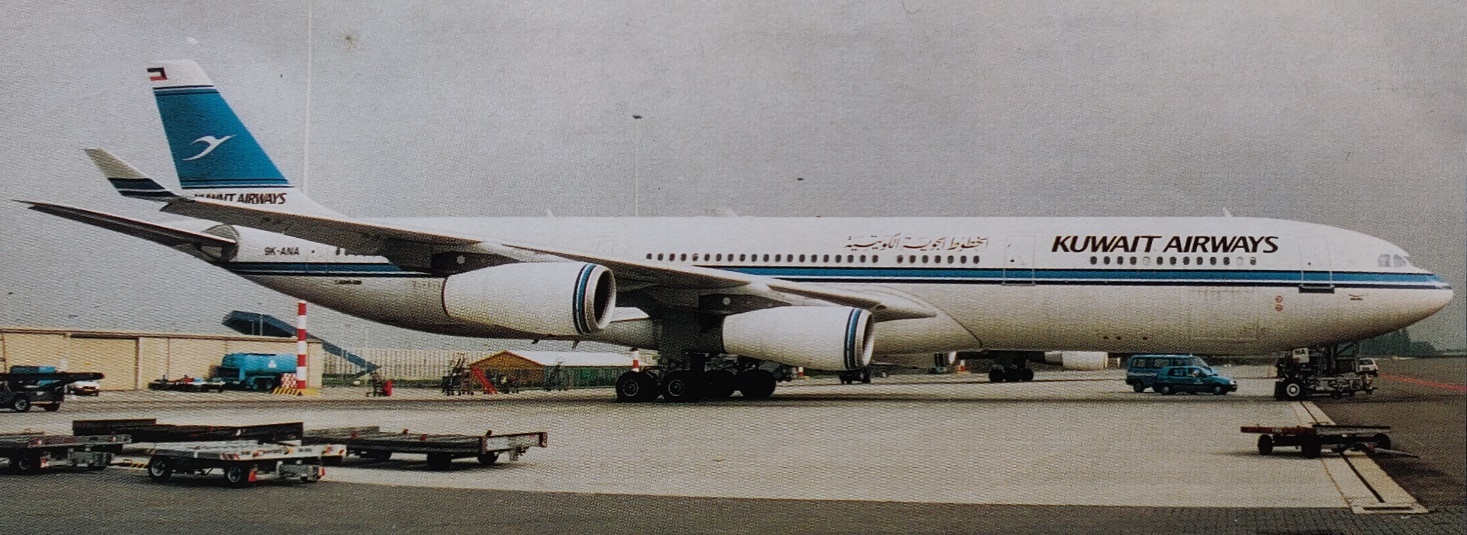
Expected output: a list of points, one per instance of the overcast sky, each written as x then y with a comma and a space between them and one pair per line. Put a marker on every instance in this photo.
1350, 114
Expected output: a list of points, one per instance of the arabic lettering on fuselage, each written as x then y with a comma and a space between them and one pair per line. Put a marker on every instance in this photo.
1165, 244
904, 242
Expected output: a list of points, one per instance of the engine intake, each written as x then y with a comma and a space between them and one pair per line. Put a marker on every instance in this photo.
549, 298
823, 338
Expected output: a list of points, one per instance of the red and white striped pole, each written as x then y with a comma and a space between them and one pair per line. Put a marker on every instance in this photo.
301, 373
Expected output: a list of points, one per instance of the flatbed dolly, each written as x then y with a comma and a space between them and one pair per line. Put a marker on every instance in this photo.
1312, 439
441, 449
242, 462
29, 453
149, 430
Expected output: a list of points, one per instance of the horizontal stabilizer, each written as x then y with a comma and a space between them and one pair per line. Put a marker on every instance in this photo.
153, 232
127, 179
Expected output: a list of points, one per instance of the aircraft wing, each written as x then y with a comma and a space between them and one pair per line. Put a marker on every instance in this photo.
401, 244
166, 235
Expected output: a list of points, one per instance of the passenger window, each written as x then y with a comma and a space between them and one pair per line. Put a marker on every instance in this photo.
1186, 260
1252, 260
1094, 260
877, 258
1133, 260
1212, 260
863, 259
899, 259
1173, 261
802, 258
827, 258
1107, 260
1225, 260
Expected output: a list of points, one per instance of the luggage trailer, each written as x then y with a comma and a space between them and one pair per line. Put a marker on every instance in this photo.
441, 449
242, 462
1311, 440
30, 453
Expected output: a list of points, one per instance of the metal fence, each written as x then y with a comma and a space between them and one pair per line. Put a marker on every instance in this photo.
404, 364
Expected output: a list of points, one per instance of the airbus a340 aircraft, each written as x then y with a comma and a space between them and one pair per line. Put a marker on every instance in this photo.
726, 300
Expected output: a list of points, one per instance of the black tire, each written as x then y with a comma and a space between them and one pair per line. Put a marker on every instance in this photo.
1218, 390
682, 386
1382, 442
721, 384
159, 469
26, 462
53, 407
20, 404
1026, 374
1294, 391
757, 384
636, 387
440, 461
1138, 387
1166, 390
488, 459
1311, 447
866, 376
238, 475
996, 376
1265, 444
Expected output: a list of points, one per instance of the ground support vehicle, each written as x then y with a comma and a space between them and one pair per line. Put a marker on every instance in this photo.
1311, 440
149, 430
242, 462
187, 384
1332, 370
20, 391
441, 449
1141, 369
254, 371
29, 453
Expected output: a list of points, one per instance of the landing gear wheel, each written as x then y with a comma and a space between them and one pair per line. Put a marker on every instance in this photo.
1138, 387
159, 469
439, 461
1166, 390
1294, 390
1265, 444
488, 459
636, 387
720, 384
238, 475
26, 462
20, 404
682, 386
866, 375
757, 384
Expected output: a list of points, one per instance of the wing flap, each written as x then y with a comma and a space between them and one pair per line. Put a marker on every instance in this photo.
356, 236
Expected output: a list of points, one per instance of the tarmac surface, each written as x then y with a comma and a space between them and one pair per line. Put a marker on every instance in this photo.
1072, 451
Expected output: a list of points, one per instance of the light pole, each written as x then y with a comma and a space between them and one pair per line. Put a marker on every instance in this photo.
636, 165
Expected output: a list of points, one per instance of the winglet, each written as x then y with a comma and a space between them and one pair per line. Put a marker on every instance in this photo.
128, 180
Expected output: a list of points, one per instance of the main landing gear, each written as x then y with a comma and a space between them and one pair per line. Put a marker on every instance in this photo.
687, 386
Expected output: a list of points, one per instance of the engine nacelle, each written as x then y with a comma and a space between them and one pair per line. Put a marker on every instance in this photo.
548, 298
823, 338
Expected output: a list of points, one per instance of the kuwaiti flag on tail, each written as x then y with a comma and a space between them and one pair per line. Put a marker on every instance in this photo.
211, 147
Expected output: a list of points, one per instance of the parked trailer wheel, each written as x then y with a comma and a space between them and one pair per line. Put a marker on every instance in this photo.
440, 461
26, 462
1311, 447
488, 459
1265, 444
1294, 390
1382, 441
238, 475
159, 469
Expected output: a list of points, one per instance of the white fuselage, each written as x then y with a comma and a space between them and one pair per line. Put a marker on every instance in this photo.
1129, 285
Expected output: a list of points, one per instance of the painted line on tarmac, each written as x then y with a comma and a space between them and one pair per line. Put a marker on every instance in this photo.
1460, 389
1385, 495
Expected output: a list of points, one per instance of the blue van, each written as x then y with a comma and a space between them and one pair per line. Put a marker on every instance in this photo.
1141, 369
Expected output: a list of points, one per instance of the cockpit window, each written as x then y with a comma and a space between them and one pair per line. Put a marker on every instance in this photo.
1384, 260
1399, 261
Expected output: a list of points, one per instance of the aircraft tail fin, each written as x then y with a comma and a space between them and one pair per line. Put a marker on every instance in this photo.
215, 155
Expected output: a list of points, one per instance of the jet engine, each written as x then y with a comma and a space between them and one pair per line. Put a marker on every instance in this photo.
548, 298
823, 338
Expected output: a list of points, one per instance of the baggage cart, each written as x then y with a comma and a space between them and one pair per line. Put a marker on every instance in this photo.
30, 453
441, 449
242, 462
